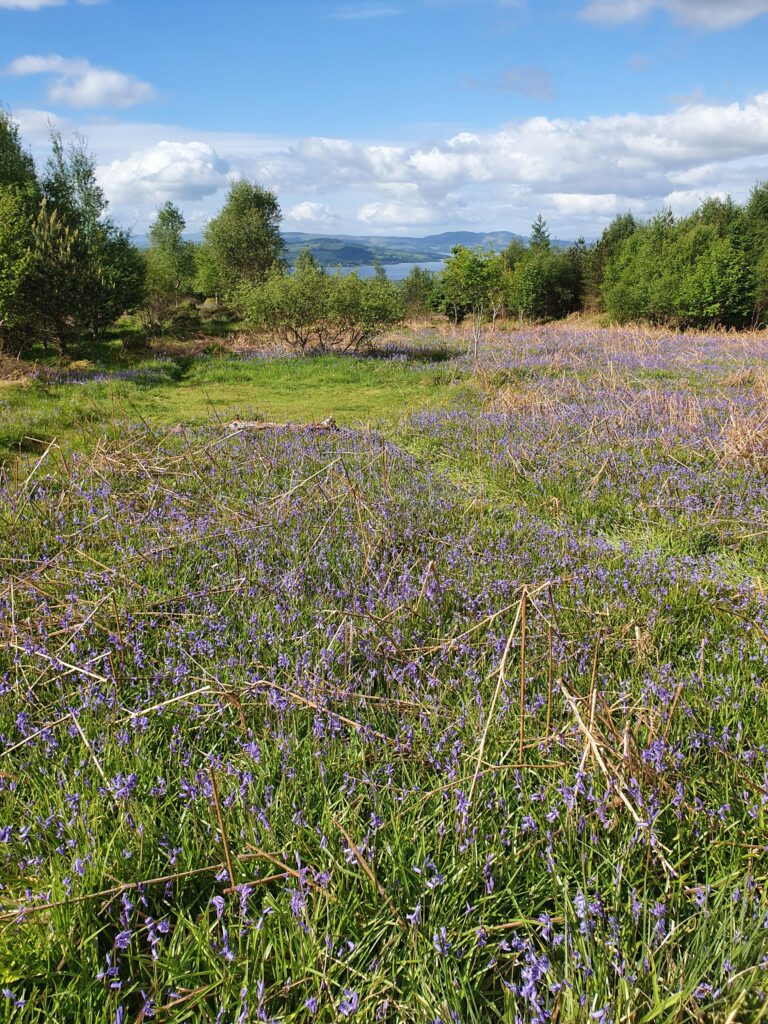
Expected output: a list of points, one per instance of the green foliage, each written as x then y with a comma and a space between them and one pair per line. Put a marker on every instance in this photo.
115, 281
465, 279
362, 308
105, 275
242, 244
54, 279
514, 252
545, 284
756, 226
315, 311
469, 285
416, 290
695, 272
206, 281
66, 270
16, 165
600, 255
292, 306
535, 282
170, 259
474, 282
439, 302
17, 261
70, 185
170, 266
540, 234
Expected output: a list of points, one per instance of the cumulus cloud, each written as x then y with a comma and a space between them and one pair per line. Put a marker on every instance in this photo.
395, 214
707, 14
578, 172
310, 213
583, 170
77, 83
168, 170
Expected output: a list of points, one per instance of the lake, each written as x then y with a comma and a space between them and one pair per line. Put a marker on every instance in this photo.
394, 271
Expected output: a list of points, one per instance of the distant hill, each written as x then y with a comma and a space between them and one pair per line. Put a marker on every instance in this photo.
364, 250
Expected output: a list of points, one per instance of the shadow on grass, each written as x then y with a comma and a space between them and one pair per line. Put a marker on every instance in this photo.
412, 353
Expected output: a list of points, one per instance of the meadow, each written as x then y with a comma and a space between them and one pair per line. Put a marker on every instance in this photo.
452, 715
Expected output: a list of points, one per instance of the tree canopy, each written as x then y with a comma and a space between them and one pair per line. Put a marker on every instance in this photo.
242, 245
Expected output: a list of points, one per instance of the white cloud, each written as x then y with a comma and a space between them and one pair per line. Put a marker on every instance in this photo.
707, 14
169, 170
579, 173
77, 83
526, 80
395, 214
363, 12
578, 169
38, 5
29, 5
311, 213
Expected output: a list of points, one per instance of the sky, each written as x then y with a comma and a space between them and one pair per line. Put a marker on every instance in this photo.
399, 117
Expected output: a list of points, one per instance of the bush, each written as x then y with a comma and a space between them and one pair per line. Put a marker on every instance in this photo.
545, 285
416, 291
314, 311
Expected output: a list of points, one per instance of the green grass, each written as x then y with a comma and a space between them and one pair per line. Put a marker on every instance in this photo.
217, 389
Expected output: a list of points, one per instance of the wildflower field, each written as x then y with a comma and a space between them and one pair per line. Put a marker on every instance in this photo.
457, 717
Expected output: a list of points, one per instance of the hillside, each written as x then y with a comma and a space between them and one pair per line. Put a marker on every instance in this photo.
364, 250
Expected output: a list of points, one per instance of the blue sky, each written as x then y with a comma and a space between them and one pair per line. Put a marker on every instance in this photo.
400, 116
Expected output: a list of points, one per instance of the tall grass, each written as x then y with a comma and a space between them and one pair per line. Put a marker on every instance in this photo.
462, 720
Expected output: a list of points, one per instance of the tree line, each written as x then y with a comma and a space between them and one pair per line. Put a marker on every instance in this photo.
68, 271
709, 269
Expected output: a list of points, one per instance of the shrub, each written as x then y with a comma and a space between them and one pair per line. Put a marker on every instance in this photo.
314, 311
416, 290
544, 285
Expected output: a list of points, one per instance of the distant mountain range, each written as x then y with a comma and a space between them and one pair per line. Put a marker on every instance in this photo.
365, 250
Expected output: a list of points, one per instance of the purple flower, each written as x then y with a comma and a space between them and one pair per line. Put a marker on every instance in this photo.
441, 943
414, 917
349, 1003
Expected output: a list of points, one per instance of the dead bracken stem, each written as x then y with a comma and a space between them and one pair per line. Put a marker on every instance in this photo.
523, 637
525, 594
37, 908
672, 710
224, 840
593, 679
492, 708
612, 778
95, 759
369, 872
549, 682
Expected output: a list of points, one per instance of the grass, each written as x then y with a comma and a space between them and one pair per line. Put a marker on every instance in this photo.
168, 392
458, 719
